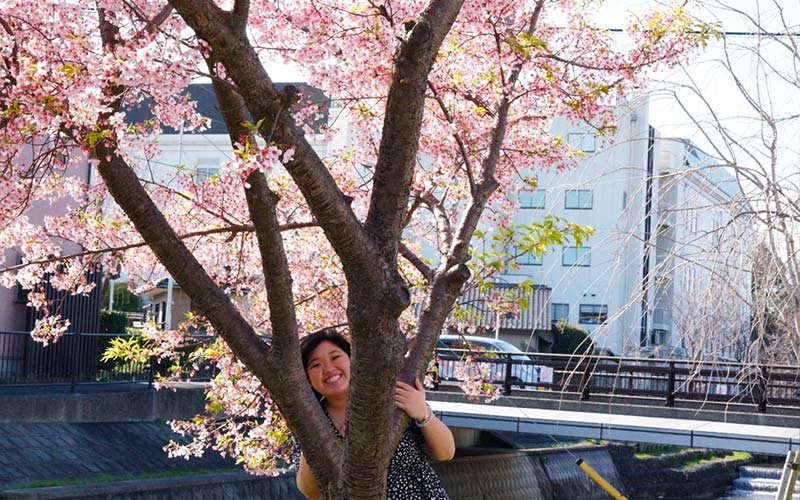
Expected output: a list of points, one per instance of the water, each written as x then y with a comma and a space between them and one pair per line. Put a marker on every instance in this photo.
757, 483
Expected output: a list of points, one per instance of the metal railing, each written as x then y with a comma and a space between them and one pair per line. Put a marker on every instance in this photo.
76, 358
666, 379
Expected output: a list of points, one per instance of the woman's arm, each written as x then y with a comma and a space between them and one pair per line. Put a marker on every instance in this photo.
439, 443
306, 482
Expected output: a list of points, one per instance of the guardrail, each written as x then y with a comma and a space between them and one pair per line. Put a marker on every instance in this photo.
77, 359
668, 379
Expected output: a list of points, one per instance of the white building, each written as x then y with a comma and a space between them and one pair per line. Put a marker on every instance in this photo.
201, 155
663, 242
664, 272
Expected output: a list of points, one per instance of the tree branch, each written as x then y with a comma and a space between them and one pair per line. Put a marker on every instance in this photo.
326, 201
443, 228
462, 148
262, 206
210, 300
206, 232
453, 272
414, 259
241, 10
401, 125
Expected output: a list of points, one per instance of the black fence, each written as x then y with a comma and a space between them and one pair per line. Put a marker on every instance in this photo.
671, 380
76, 358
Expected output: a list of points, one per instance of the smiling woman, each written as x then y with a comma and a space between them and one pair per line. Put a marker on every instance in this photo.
326, 359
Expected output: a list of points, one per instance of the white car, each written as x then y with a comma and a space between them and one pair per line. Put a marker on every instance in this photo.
453, 348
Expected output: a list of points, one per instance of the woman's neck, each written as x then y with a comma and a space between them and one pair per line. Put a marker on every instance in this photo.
338, 405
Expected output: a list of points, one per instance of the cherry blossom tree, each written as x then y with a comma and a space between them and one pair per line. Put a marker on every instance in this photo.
450, 104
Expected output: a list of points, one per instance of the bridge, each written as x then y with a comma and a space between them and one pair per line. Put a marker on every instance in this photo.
685, 432
687, 403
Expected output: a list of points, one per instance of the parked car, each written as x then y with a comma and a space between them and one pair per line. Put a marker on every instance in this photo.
452, 350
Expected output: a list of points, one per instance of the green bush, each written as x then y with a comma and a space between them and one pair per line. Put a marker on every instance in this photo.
569, 339
124, 300
113, 321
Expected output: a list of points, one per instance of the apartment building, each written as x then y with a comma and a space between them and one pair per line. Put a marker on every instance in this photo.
665, 271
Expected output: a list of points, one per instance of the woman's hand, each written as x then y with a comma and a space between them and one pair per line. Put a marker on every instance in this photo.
411, 400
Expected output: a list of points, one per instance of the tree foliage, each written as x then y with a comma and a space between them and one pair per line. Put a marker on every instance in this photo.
450, 106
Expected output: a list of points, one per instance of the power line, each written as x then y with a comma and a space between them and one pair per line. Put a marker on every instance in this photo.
764, 34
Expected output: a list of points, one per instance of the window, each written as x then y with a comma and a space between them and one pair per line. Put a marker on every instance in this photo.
202, 174
205, 170
531, 199
576, 256
592, 314
530, 259
578, 199
582, 141
559, 312
658, 336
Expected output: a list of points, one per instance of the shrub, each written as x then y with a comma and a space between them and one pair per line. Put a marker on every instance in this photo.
113, 321
569, 339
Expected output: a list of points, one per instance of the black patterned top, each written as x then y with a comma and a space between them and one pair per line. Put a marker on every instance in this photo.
410, 476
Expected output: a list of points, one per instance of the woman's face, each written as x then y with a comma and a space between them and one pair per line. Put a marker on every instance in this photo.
328, 370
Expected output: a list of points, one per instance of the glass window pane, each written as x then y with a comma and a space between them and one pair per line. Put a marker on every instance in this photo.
530, 259
531, 199
559, 312
580, 199
574, 256
593, 314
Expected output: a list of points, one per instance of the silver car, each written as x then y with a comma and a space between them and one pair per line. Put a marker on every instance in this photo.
453, 348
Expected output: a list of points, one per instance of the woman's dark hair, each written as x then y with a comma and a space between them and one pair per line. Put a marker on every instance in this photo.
312, 340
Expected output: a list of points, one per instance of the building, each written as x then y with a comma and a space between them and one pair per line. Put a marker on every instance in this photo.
83, 312
166, 304
660, 276
20, 355
665, 271
202, 154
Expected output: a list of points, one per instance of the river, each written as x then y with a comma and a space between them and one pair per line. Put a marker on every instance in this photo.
756, 482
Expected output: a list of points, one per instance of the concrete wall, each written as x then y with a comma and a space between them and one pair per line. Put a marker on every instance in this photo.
130, 406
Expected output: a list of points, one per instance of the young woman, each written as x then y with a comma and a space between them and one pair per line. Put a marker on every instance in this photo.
326, 359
